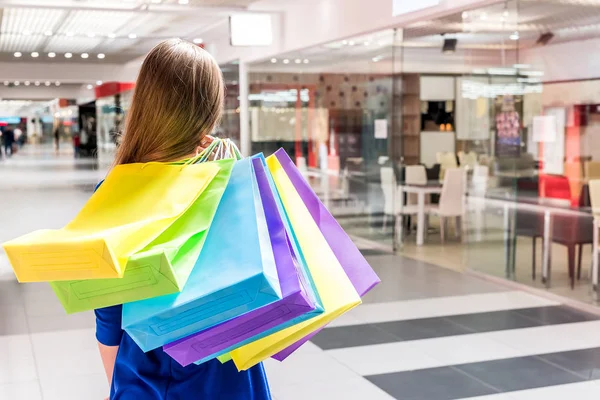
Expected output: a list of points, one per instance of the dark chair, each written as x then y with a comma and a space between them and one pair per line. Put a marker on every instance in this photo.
568, 230
433, 174
529, 223
572, 231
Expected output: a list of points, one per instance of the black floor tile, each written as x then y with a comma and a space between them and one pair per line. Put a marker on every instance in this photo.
583, 362
431, 384
554, 315
426, 328
351, 336
519, 373
374, 252
493, 321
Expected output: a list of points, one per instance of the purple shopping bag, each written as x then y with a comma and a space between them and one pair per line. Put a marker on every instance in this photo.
295, 304
359, 271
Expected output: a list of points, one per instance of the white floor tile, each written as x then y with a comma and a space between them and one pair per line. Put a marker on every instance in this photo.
383, 358
551, 339
22, 390
66, 354
17, 363
13, 320
581, 391
305, 367
439, 307
439, 352
589, 390
92, 387
356, 388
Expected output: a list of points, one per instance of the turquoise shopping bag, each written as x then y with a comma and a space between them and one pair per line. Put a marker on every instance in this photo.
235, 272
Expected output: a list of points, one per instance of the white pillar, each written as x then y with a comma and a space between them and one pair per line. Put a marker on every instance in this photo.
245, 138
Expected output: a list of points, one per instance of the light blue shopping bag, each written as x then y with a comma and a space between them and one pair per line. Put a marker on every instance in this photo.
235, 272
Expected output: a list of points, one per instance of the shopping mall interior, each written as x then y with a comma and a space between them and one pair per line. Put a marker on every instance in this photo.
453, 141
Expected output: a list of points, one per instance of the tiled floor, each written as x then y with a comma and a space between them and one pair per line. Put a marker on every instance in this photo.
425, 333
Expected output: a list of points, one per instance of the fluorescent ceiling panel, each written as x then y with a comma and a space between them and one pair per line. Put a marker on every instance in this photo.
251, 30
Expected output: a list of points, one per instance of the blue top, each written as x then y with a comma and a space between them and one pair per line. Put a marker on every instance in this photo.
156, 376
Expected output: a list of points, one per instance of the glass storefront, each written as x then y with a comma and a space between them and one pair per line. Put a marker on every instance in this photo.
111, 112
451, 140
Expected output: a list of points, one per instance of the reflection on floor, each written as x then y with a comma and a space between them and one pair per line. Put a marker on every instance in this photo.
425, 333
482, 250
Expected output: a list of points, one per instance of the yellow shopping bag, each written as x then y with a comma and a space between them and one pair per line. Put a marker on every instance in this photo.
132, 207
335, 289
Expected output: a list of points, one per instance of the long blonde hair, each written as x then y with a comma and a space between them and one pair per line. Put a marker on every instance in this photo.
178, 99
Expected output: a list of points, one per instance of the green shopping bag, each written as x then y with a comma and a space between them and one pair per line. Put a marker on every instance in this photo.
163, 266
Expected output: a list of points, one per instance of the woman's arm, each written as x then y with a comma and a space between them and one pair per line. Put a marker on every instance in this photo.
109, 334
109, 356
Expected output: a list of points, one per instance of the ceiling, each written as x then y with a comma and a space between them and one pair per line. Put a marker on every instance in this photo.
117, 30
481, 33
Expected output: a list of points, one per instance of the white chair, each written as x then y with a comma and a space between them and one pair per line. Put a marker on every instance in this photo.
467, 159
415, 175
451, 201
447, 161
393, 201
480, 179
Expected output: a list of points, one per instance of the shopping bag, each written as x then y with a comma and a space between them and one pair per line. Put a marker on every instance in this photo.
133, 206
356, 267
162, 267
235, 272
335, 289
295, 305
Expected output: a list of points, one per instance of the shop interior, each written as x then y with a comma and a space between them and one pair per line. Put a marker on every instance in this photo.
494, 96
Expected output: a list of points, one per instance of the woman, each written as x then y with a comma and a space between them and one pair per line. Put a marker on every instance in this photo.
177, 102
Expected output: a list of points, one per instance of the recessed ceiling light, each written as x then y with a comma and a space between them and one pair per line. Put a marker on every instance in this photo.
351, 43
84, 55
48, 33
27, 83
286, 61
90, 87
184, 1
6, 83
506, 13
465, 15
98, 83
156, 1
37, 83
273, 60
17, 83
344, 42
111, 35
198, 41
52, 54
306, 61
297, 61
101, 55
68, 55
57, 83
91, 34
514, 36
132, 36
17, 54
367, 43
26, 33
70, 34
47, 83
35, 54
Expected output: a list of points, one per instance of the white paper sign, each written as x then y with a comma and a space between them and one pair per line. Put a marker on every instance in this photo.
544, 128
381, 129
406, 6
